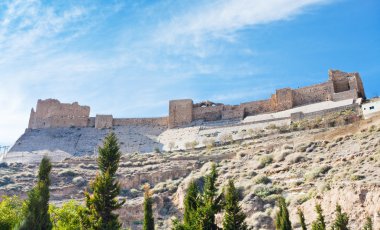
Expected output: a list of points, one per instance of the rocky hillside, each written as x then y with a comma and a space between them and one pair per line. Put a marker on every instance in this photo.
322, 165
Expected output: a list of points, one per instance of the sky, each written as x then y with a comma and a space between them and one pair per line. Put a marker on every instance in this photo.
130, 57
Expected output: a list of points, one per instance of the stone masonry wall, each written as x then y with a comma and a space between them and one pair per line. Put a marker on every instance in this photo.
284, 99
232, 112
212, 113
340, 86
103, 121
51, 113
159, 121
257, 107
313, 94
180, 112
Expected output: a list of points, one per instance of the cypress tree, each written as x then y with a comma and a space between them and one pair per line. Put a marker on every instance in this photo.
341, 219
148, 212
282, 216
234, 218
319, 223
37, 216
301, 219
101, 204
208, 206
368, 224
191, 204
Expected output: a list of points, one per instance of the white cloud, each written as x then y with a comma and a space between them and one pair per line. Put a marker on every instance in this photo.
219, 19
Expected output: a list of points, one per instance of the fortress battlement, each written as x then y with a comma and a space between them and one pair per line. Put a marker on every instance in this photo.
340, 85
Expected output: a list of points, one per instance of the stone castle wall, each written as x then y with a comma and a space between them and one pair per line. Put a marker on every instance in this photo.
51, 113
340, 86
157, 121
313, 94
180, 112
103, 121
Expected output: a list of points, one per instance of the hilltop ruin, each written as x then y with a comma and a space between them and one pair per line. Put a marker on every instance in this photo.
340, 86
68, 129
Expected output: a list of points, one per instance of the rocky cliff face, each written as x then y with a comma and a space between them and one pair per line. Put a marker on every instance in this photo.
325, 165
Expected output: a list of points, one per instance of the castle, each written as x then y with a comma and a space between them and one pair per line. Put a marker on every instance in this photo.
340, 86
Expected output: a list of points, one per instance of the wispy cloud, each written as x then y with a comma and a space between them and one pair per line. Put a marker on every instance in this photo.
52, 50
221, 19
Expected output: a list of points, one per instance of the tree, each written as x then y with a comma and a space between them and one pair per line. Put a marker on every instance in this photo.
37, 215
208, 205
282, 216
368, 224
66, 217
191, 204
171, 146
101, 204
319, 223
234, 218
341, 219
12, 211
301, 219
148, 212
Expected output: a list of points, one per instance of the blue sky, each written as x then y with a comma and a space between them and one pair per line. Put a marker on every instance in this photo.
128, 58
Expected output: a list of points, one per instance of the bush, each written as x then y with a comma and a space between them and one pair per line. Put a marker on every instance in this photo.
209, 143
5, 180
188, 145
12, 212
134, 192
357, 177
66, 217
226, 138
67, 173
194, 144
266, 191
89, 166
265, 161
262, 179
271, 126
317, 172
79, 181
297, 159
171, 145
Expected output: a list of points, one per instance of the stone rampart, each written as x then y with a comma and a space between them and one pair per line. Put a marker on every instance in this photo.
103, 121
257, 107
157, 121
340, 86
51, 113
180, 112
312, 94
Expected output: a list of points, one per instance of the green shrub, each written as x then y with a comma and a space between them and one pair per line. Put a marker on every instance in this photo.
157, 150
265, 191
66, 217
67, 173
265, 161
12, 212
262, 179
357, 177
271, 126
317, 172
